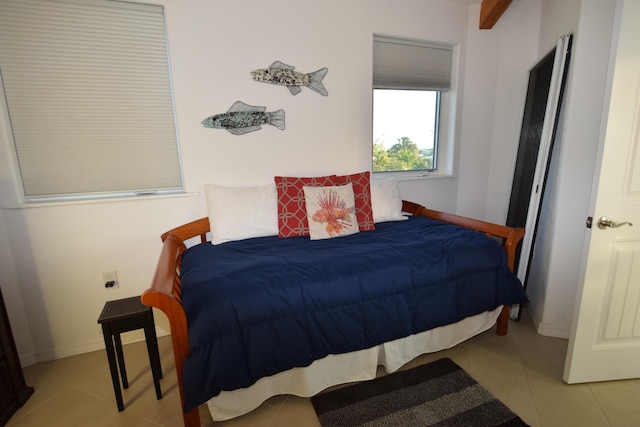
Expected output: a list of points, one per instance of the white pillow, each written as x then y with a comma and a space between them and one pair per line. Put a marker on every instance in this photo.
237, 213
386, 202
331, 211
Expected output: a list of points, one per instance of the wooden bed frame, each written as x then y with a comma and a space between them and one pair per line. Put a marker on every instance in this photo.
164, 293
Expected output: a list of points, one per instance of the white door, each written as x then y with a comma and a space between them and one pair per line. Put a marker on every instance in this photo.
605, 335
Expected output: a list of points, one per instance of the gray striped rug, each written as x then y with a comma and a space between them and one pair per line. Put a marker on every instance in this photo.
436, 394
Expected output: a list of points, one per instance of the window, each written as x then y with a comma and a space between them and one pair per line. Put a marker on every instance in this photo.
410, 80
405, 125
88, 93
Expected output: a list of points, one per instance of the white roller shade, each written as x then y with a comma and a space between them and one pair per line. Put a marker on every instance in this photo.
89, 97
410, 64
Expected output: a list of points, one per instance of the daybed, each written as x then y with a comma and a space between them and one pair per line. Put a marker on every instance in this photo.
296, 339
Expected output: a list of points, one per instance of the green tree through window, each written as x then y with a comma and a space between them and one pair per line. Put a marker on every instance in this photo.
405, 124
402, 156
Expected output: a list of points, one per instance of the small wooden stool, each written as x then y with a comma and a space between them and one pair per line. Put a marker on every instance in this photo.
125, 315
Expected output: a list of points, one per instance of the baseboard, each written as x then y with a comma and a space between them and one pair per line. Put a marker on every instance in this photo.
547, 329
555, 331
27, 359
60, 352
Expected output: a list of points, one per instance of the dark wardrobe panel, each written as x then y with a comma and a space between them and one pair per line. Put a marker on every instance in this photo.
530, 135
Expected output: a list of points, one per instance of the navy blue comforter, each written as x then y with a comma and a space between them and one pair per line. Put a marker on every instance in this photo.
261, 306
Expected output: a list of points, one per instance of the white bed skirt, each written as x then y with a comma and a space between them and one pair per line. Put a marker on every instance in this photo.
349, 367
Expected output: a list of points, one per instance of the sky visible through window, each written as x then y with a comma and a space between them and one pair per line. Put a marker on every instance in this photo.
404, 113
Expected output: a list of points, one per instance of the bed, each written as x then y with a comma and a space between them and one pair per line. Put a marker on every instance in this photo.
338, 349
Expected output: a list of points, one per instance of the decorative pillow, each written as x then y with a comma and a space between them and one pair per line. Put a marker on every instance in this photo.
386, 201
292, 212
331, 211
237, 213
362, 195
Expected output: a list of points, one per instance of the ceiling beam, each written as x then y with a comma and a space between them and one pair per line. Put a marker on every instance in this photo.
491, 11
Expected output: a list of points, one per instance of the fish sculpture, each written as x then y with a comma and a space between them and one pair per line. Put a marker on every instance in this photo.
283, 74
242, 118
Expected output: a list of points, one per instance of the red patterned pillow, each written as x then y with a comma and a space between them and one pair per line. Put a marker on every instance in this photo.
292, 211
362, 193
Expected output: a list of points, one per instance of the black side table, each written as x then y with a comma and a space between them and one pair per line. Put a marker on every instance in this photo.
125, 315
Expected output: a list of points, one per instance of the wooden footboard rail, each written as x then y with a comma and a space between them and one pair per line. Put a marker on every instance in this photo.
509, 237
164, 293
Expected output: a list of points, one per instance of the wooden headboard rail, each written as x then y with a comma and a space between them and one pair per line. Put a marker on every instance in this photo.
164, 293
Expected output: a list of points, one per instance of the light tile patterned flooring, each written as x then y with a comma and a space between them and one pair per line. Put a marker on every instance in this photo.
523, 369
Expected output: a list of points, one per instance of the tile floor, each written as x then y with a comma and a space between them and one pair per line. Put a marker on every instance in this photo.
523, 369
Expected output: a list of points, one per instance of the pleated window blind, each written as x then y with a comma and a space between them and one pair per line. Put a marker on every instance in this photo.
88, 92
410, 64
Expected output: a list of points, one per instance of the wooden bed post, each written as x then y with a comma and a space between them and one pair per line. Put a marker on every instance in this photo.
502, 325
174, 311
165, 296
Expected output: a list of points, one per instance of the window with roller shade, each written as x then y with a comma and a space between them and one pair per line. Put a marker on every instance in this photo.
411, 81
88, 93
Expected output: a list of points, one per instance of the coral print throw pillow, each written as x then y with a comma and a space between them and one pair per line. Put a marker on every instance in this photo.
331, 211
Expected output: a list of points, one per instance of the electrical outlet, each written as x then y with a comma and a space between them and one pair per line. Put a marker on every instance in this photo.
110, 279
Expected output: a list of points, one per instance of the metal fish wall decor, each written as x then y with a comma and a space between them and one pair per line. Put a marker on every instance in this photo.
242, 118
283, 74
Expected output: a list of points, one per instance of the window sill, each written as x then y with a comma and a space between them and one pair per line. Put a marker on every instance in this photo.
48, 204
412, 175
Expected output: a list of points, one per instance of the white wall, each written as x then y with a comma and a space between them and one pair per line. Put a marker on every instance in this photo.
497, 73
555, 267
53, 255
